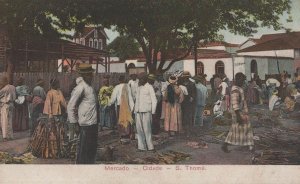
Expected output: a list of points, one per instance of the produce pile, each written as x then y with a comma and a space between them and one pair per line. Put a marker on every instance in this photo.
26, 158
169, 157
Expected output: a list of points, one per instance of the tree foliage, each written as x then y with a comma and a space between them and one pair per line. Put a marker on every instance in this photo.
159, 26
166, 25
33, 19
123, 47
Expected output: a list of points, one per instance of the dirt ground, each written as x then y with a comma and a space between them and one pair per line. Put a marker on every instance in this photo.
275, 143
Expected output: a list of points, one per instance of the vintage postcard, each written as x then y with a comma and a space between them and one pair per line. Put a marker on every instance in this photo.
150, 91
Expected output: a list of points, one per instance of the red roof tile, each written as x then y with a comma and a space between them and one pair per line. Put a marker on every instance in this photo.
278, 42
202, 54
268, 37
213, 44
209, 53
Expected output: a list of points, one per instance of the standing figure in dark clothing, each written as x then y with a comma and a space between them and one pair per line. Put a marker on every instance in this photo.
188, 104
39, 97
21, 117
212, 84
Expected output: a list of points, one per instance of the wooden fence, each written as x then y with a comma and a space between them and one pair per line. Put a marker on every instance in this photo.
65, 79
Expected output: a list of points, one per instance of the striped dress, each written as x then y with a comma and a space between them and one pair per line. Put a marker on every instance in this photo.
239, 134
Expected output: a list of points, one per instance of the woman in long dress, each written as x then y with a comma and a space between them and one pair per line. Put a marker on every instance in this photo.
105, 111
173, 114
241, 132
55, 104
7, 98
39, 97
21, 117
55, 107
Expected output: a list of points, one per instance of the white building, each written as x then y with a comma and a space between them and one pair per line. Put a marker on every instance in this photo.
270, 54
280, 46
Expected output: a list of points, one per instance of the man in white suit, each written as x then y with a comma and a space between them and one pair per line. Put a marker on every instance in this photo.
145, 106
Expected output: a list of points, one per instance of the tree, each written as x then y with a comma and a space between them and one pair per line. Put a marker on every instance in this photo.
166, 26
169, 28
30, 20
123, 47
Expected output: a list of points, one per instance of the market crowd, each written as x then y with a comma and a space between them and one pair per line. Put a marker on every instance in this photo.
142, 107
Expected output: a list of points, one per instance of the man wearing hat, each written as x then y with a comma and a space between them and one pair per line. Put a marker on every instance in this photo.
145, 107
82, 111
188, 104
7, 98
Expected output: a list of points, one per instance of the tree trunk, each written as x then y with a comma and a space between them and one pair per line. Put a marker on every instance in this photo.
151, 67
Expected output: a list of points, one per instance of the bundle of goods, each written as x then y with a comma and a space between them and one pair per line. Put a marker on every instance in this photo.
47, 140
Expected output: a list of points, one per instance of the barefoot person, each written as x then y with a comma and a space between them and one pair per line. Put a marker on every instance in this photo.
240, 132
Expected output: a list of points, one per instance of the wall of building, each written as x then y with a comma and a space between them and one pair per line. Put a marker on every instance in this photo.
239, 65
209, 66
279, 53
262, 67
221, 47
284, 65
135, 62
189, 65
114, 68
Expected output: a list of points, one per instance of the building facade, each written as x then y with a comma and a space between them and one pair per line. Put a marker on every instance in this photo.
94, 37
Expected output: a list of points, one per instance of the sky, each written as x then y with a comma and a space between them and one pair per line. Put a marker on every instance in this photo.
231, 38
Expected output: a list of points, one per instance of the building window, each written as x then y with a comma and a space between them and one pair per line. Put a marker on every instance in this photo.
96, 44
131, 68
199, 68
81, 41
100, 44
77, 40
220, 67
91, 43
253, 66
297, 53
95, 33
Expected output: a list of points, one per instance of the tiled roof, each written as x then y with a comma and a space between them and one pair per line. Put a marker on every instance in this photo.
213, 44
209, 53
276, 42
268, 37
202, 54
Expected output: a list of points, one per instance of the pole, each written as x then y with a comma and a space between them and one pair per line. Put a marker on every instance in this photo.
196, 57
277, 62
232, 55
